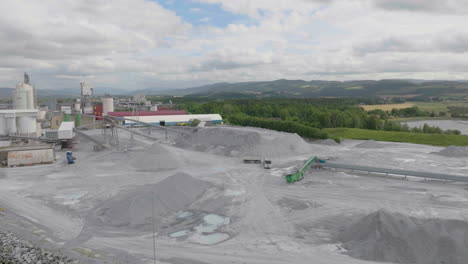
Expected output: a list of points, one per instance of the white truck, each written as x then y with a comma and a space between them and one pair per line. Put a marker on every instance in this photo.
266, 163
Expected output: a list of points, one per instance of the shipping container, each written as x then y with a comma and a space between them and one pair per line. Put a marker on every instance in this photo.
30, 157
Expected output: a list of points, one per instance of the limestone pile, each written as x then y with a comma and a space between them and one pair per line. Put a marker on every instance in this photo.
155, 158
237, 142
133, 208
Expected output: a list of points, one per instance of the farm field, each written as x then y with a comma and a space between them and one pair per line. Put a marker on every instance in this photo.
387, 107
393, 136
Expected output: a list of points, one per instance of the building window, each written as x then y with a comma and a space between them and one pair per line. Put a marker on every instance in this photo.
56, 122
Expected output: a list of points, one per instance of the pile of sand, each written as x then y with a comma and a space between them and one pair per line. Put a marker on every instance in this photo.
155, 158
236, 142
133, 208
384, 236
453, 151
370, 144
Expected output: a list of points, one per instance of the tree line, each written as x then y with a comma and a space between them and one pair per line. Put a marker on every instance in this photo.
295, 115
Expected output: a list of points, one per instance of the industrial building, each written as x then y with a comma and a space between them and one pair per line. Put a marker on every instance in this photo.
87, 94
148, 113
173, 120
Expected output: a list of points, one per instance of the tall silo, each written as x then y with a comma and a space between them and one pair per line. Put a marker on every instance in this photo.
107, 104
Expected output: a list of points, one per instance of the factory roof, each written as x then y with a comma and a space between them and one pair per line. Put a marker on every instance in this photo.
148, 113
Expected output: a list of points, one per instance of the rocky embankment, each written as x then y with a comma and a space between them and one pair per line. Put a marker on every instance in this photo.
14, 250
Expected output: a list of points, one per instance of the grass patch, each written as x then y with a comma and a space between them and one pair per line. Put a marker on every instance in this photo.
406, 137
438, 107
386, 107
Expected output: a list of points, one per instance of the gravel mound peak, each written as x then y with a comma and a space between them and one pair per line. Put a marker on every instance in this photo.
392, 237
133, 208
155, 158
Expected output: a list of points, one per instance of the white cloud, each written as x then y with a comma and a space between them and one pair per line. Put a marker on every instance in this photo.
126, 43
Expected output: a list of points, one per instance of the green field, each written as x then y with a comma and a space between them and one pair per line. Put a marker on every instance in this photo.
407, 137
438, 107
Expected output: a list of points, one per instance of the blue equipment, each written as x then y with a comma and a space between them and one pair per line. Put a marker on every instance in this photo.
70, 158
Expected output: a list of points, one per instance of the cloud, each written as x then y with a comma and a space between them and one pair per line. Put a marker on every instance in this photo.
129, 43
421, 5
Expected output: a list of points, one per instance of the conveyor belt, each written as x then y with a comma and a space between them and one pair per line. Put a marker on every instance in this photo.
420, 174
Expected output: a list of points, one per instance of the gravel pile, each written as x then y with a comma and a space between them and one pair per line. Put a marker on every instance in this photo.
155, 158
453, 151
391, 237
15, 251
237, 142
133, 208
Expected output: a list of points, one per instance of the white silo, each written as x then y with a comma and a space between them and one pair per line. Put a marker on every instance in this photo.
3, 126
27, 125
23, 97
107, 105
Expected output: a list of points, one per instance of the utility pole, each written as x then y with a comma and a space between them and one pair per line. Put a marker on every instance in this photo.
152, 217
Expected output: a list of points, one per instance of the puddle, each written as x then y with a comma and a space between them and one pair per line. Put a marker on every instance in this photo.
184, 214
204, 233
179, 234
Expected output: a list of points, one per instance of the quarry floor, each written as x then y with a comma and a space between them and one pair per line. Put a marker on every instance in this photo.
270, 221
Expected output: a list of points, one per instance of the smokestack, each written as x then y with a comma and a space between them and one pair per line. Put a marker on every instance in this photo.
26, 78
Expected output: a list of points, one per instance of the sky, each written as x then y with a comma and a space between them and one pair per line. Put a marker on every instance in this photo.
141, 44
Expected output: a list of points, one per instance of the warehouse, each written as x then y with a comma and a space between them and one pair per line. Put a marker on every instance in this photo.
173, 120
27, 155
147, 113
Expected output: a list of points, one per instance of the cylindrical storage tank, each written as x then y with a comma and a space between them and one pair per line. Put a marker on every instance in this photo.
66, 118
77, 120
3, 126
107, 105
11, 124
20, 99
23, 97
27, 125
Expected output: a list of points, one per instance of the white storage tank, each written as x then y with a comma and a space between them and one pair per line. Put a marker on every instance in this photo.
23, 97
27, 125
3, 126
107, 105
11, 124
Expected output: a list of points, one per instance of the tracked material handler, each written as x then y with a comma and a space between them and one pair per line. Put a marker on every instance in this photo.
299, 175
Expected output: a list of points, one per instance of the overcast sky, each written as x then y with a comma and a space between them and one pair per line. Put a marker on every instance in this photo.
138, 44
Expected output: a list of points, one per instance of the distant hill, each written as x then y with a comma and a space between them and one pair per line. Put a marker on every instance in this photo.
416, 89
44, 93
299, 88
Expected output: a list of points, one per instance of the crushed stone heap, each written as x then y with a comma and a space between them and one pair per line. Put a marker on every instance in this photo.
392, 237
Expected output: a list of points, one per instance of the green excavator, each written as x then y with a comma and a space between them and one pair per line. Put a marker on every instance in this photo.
299, 175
